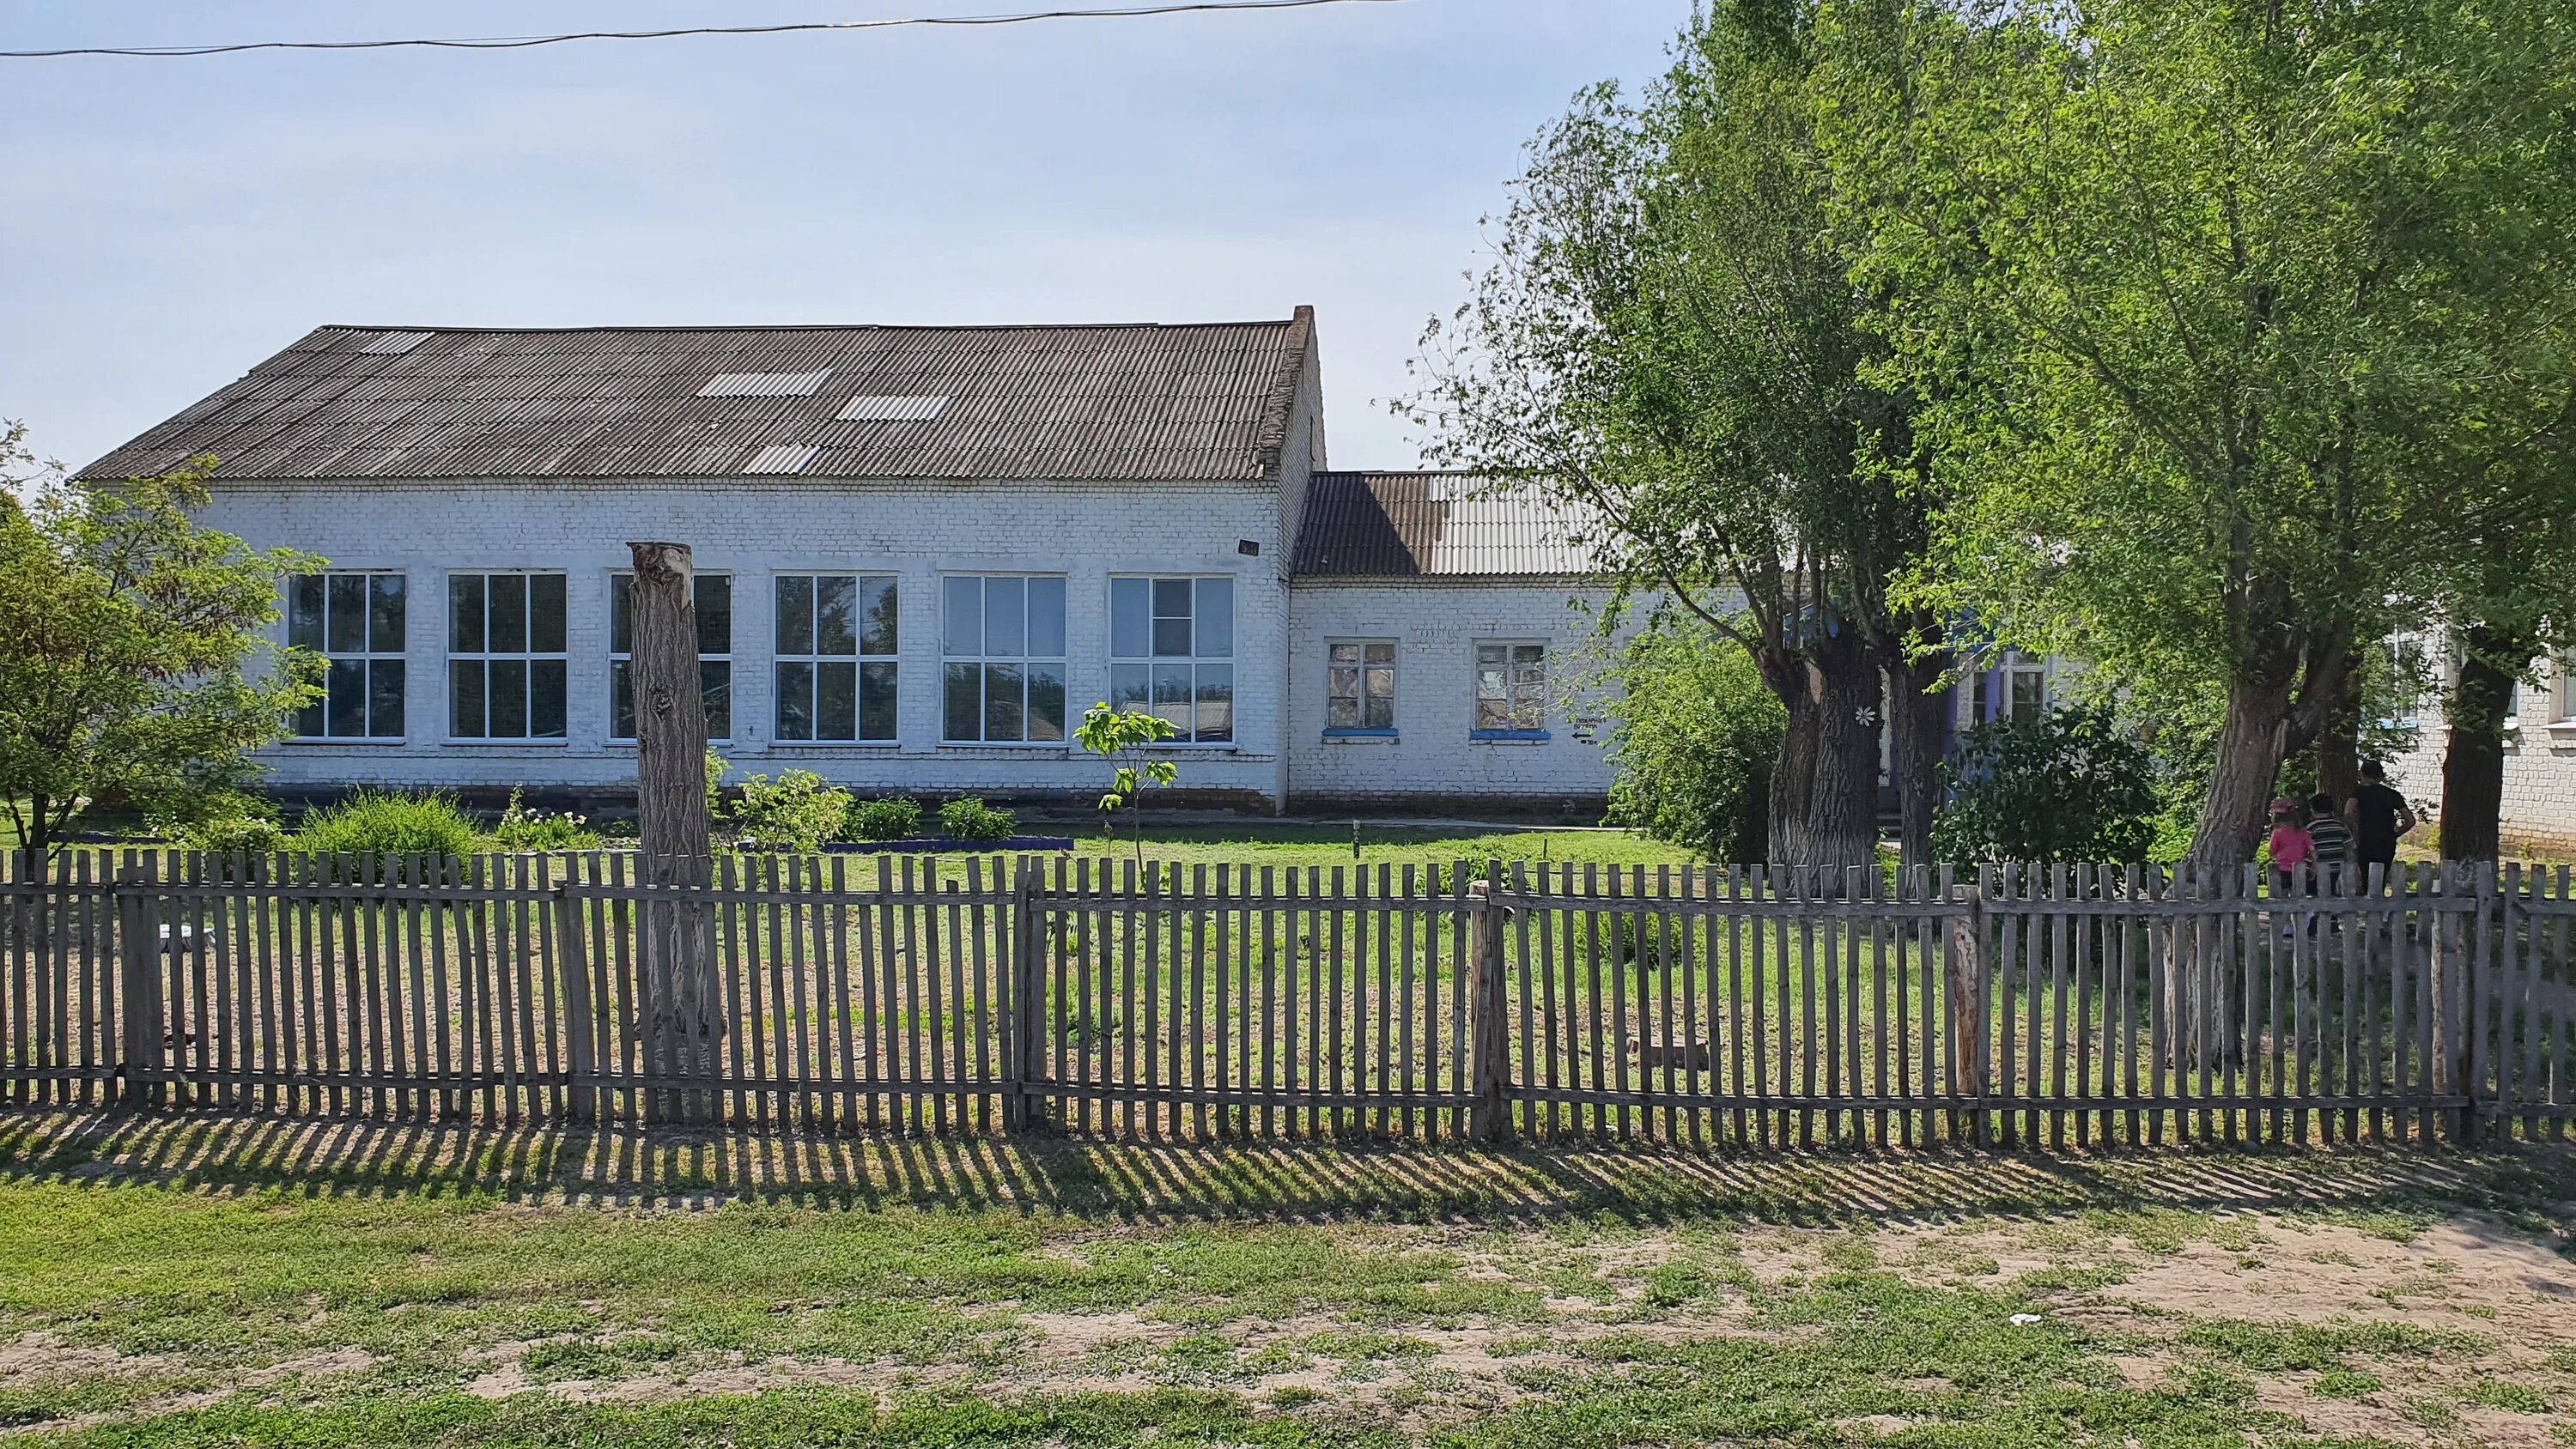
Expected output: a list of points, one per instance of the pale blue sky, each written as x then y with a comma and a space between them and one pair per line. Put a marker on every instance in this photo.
167, 223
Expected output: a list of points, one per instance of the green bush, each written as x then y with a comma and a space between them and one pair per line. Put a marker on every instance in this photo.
245, 834
1694, 735
895, 818
374, 822
796, 812
522, 829
970, 821
2071, 785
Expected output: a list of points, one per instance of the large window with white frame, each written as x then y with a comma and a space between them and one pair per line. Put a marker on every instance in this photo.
355, 622
2015, 690
505, 656
836, 671
1171, 653
1511, 688
1359, 691
712, 594
1002, 654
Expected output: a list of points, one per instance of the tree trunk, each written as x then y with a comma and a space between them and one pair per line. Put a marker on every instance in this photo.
40, 835
1793, 770
1842, 816
684, 1025
2338, 751
2251, 744
2472, 821
1915, 714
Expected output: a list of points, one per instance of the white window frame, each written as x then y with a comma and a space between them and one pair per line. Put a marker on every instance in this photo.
1477, 729
530, 656
623, 659
368, 657
2563, 679
1200, 665
1333, 666
859, 661
983, 661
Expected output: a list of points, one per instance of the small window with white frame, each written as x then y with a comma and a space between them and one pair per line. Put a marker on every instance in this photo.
2014, 691
836, 665
355, 622
1171, 653
1511, 689
712, 596
2564, 681
1359, 695
505, 656
1001, 645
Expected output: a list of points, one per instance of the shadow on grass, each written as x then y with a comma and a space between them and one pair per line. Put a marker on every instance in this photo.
1277, 1181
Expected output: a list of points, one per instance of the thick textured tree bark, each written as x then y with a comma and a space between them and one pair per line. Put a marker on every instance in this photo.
1915, 712
2472, 821
1842, 812
2338, 751
683, 1007
1793, 769
2252, 742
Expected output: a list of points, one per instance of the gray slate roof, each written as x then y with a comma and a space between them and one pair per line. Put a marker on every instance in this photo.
1139, 403
1434, 525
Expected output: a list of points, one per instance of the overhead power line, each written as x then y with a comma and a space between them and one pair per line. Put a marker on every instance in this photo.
529, 42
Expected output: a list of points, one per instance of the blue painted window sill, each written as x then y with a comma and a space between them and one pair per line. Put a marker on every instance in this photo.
1509, 737
1359, 734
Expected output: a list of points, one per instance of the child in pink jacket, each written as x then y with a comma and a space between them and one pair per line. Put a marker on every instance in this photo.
2292, 846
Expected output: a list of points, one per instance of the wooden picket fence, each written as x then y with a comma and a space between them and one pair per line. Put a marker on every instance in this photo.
2056, 1006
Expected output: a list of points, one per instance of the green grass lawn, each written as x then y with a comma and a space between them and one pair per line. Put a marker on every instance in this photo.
198, 1282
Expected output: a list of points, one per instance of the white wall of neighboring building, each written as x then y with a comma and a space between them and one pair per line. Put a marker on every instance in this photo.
1432, 762
2539, 805
757, 528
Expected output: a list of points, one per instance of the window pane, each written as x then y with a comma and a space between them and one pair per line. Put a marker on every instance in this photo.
385, 699
347, 694
509, 699
308, 722
1171, 598
621, 700
1046, 704
385, 596
714, 598
961, 616
1492, 682
1342, 713
1130, 618
1381, 683
1171, 638
465, 614
1131, 688
1004, 697
1216, 618
877, 635
508, 619
1172, 695
1490, 654
795, 701
1346, 684
465, 699
876, 701
836, 616
1216, 702
546, 699
1346, 654
1379, 712
1493, 714
715, 691
546, 614
1006, 618
1381, 654
963, 710
621, 613
1046, 619
304, 594
836, 701
795, 614
347, 633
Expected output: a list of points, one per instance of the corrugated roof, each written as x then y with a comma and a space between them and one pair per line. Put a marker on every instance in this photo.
1137, 402
1434, 525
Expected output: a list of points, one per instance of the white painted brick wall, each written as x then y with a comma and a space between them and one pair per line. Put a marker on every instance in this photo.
2539, 805
1436, 624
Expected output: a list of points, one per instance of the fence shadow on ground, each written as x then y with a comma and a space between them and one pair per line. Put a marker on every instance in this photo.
1117, 1181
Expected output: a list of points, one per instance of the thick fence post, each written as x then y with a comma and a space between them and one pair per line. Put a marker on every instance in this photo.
1968, 1013
139, 965
2479, 979
581, 1101
1489, 1115
1025, 1056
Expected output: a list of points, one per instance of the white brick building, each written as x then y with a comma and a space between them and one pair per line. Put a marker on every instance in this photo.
2539, 806
922, 553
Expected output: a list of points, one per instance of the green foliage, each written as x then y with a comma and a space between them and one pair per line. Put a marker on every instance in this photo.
970, 821
374, 822
797, 812
227, 824
1693, 741
127, 659
895, 817
522, 829
2071, 785
1114, 735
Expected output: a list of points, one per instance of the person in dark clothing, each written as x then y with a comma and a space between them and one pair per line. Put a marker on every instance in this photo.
2378, 815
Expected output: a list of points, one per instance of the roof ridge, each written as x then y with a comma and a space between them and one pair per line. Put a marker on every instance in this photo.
808, 327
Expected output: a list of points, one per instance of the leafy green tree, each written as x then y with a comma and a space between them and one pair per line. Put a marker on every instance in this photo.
2070, 785
2230, 321
1121, 737
130, 647
1693, 738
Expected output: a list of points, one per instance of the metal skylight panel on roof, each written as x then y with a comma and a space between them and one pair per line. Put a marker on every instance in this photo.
786, 458
395, 344
765, 384
891, 408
